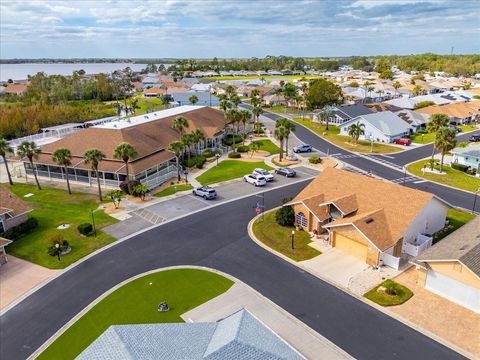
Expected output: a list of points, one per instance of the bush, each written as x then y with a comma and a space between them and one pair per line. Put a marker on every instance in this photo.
85, 229
315, 160
208, 153
459, 167
228, 141
195, 161
23, 229
421, 131
471, 171
63, 245
423, 104
234, 155
242, 149
127, 185
285, 216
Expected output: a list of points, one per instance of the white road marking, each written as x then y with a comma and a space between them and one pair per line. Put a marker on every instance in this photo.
419, 182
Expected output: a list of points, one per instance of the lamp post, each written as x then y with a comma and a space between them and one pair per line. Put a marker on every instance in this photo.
185, 172
475, 200
292, 236
217, 156
57, 246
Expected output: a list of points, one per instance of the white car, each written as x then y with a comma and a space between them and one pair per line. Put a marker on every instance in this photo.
264, 173
257, 180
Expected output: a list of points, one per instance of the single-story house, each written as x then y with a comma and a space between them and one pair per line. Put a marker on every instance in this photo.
346, 112
238, 336
154, 92
451, 268
374, 220
460, 112
205, 98
150, 82
410, 102
275, 99
3, 255
202, 87
468, 156
13, 210
15, 89
380, 127
416, 120
150, 134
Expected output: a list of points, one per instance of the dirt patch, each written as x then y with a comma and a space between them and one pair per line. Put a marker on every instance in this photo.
261, 153
326, 163
285, 162
248, 159
110, 208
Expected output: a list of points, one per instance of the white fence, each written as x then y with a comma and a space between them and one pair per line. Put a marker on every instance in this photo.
390, 260
422, 243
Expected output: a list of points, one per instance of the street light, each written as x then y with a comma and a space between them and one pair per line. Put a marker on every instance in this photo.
57, 246
293, 238
475, 200
185, 172
93, 221
217, 156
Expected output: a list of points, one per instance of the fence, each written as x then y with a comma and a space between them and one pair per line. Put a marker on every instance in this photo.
423, 242
390, 260
42, 138
160, 177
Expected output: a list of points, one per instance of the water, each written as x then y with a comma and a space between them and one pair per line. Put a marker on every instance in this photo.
21, 71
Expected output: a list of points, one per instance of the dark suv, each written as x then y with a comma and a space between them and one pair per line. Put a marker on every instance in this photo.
474, 138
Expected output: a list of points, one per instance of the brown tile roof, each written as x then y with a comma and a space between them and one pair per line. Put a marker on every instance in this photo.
18, 89
150, 139
459, 110
11, 202
376, 199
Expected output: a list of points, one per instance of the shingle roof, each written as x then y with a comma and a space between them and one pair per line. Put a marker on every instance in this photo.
411, 117
9, 202
239, 336
458, 110
351, 111
473, 151
463, 245
386, 121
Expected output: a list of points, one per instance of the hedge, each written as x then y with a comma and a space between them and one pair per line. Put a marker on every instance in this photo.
195, 161
242, 149
234, 155
459, 167
23, 229
229, 140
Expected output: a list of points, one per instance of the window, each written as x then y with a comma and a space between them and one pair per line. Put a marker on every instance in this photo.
301, 220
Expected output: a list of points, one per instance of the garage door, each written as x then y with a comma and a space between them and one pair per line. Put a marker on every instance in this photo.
351, 246
454, 290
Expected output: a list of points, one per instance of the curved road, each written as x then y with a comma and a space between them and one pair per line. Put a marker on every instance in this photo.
217, 238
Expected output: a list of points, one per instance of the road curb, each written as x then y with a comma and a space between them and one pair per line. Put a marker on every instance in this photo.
364, 300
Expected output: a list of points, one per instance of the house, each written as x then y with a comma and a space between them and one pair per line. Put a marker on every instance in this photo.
202, 87
13, 210
410, 102
3, 255
451, 268
205, 98
416, 120
346, 112
468, 156
459, 113
371, 219
274, 99
154, 92
150, 134
150, 82
238, 336
380, 127
15, 89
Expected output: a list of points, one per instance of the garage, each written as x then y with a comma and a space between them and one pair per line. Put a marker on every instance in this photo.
453, 290
350, 246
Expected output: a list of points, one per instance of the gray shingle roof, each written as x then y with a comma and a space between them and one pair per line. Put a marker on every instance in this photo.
238, 336
351, 111
462, 245
473, 151
385, 121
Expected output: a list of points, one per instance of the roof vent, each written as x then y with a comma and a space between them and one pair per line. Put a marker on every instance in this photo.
464, 247
368, 220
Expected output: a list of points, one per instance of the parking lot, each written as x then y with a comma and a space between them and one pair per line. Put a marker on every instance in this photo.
185, 204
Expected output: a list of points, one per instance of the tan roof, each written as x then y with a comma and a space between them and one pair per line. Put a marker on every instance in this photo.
9, 202
313, 204
377, 200
459, 110
18, 89
4, 242
154, 91
150, 140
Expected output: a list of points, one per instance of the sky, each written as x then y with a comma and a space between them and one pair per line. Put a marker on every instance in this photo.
236, 28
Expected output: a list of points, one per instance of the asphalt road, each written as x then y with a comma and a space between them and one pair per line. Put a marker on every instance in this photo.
217, 238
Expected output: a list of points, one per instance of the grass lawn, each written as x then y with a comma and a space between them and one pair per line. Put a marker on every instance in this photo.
228, 170
53, 207
136, 303
269, 146
280, 109
332, 134
427, 138
453, 177
278, 238
173, 189
466, 128
380, 296
456, 218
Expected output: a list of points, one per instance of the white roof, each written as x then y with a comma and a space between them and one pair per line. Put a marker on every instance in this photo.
141, 119
386, 121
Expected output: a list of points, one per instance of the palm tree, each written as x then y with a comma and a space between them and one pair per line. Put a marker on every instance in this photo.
245, 116
125, 152
134, 106
396, 85
93, 157
63, 157
280, 134
437, 121
5, 149
326, 114
257, 111
417, 90
445, 140
288, 128
177, 148
235, 100
369, 90
304, 89
355, 130
180, 124
29, 150
193, 99
188, 141
233, 116
197, 137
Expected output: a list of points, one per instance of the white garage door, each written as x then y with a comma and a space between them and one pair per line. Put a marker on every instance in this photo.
453, 290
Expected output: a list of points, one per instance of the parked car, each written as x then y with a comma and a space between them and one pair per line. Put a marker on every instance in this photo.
264, 173
286, 172
474, 138
402, 141
302, 148
257, 180
207, 192
455, 127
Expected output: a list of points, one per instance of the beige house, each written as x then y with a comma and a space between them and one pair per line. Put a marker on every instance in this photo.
451, 268
377, 221
13, 210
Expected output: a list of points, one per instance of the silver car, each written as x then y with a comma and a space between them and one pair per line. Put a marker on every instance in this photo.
207, 192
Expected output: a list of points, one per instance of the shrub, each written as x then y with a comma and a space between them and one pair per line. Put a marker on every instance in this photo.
195, 161
315, 160
423, 104
23, 229
85, 229
140, 191
208, 153
471, 171
459, 167
228, 141
127, 185
63, 245
242, 149
234, 155
217, 151
421, 131
390, 288
285, 216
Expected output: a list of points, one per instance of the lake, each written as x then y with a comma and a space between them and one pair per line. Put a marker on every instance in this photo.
21, 71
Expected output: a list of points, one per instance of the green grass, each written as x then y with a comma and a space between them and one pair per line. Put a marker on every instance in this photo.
456, 219
173, 189
280, 109
466, 128
453, 177
278, 238
382, 298
332, 135
228, 170
136, 303
427, 138
53, 207
269, 146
